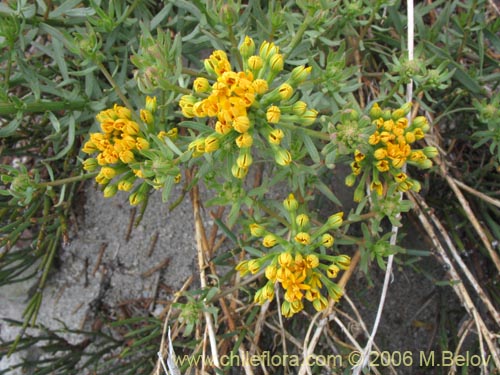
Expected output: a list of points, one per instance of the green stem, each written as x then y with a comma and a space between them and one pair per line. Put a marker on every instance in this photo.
69, 180
112, 82
393, 91
310, 132
11, 108
234, 46
466, 30
298, 36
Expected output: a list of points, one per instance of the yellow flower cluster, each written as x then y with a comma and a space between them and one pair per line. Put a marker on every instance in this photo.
390, 147
244, 106
122, 150
297, 265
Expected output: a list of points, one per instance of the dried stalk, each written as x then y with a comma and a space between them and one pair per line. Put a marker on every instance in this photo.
458, 287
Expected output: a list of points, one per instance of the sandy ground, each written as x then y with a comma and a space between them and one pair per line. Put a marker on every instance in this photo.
82, 283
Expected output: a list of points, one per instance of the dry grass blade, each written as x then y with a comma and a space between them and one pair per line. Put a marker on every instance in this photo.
457, 282
478, 194
470, 214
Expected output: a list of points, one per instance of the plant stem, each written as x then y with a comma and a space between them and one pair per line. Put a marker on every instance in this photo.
298, 36
69, 180
112, 82
42, 106
310, 132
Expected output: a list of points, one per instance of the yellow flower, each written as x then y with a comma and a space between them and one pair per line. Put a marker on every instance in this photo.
260, 86
186, 103
382, 165
410, 137
125, 185
358, 156
320, 303
356, 168
222, 127
275, 136
267, 50
101, 179
312, 261
244, 140
300, 74
241, 124
271, 272
285, 259
374, 138
108, 172
126, 156
380, 153
242, 267
273, 114
303, 238
343, 261
254, 266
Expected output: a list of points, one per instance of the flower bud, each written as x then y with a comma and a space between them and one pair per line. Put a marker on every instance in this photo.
343, 261
302, 220
299, 108
147, 116
422, 123
212, 143
276, 63
303, 238
327, 240
139, 195
269, 240
254, 266
377, 187
271, 272
332, 271
257, 230
151, 104
335, 220
285, 91
239, 172
201, 84
90, 165
267, 50
260, 86
320, 303
141, 144
285, 259
290, 203
255, 63
275, 136
375, 112
273, 114
247, 48
110, 191
242, 267
308, 117
244, 160
312, 261
283, 157
244, 140
350, 180
186, 103
241, 124
430, 152
126, 185
300, 74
